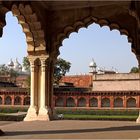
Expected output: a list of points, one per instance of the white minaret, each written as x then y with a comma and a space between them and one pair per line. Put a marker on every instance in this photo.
92, 66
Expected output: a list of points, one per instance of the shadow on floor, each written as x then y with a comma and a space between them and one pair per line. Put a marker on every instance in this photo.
122, 128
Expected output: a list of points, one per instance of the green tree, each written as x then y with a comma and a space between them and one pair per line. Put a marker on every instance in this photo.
26, 64
61, 67
4, 70
134, 70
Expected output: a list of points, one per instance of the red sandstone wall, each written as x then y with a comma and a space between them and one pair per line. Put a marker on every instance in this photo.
78, 80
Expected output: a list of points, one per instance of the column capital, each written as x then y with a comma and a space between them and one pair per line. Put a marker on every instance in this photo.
32, 59
43, 59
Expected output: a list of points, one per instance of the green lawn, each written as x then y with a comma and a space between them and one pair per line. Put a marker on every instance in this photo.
100, 117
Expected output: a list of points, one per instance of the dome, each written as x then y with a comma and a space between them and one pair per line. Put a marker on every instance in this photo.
17, 65
92, 64
11, 63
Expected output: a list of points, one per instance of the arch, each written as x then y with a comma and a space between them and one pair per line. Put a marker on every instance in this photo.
59, 102
70, 102
85, 23
118, 102
32, 28
17, 100
131, 102
27, 101
0, 100
82, 102
93, 102
8, 100
105, 102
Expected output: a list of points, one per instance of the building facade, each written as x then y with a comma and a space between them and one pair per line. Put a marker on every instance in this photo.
117, 90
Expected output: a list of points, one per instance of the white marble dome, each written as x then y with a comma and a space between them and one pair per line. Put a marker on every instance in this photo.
11, 63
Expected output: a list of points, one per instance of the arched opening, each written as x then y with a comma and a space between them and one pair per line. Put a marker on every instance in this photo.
8, 100
82, 102
131, 102
17, 100
27, 101
59, 102
93, 102
0, 100
13, 32
105, 102
111, 50
118, 102
70, 102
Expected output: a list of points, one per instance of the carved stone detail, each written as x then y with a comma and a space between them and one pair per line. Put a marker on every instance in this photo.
32, 28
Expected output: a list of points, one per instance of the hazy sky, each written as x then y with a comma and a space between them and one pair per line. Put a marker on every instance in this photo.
108, 48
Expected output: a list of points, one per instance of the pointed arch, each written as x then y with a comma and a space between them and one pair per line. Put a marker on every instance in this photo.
82, 102
118, 102
8, 100
85, 23
105, 102
17, 100
70, 102
131, 102
93, 102
59, 102
32, 27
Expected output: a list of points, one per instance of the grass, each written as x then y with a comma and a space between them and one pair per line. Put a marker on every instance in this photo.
100, 117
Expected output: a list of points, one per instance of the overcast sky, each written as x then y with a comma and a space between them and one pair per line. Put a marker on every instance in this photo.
108, 48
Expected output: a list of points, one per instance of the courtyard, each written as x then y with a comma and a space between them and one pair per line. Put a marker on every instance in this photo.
71, 129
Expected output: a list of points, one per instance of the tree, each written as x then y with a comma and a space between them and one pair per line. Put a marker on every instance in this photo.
134, 70
4, 70
61, 67
26, 64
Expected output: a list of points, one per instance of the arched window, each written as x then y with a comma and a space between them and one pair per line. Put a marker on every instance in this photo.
93, 102
131, 102
105, 102
82, 102
27, 101
0, 100
118, 102
8, 100
59, 102
70, 102
17, 100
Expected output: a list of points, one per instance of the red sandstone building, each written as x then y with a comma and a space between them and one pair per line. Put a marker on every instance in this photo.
86, 91
100, 91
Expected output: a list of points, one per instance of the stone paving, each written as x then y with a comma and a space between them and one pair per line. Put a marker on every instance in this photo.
71, 129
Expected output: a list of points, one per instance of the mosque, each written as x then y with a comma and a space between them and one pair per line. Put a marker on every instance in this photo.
16, 66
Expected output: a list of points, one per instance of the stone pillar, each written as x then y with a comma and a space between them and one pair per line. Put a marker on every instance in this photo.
32, 111
44, 108
124, 101
65, 101
13, 99
99, 102
87, 102
111, 102
3, 99
22, 100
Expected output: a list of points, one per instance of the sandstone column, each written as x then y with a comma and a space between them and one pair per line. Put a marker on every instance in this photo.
32, 111
44, 109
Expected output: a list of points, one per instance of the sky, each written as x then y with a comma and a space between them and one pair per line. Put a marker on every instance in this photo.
109, 49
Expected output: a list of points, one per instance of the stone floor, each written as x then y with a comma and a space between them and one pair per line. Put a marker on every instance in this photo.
71, 129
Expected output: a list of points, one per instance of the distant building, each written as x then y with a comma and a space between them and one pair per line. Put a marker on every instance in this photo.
97, 90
